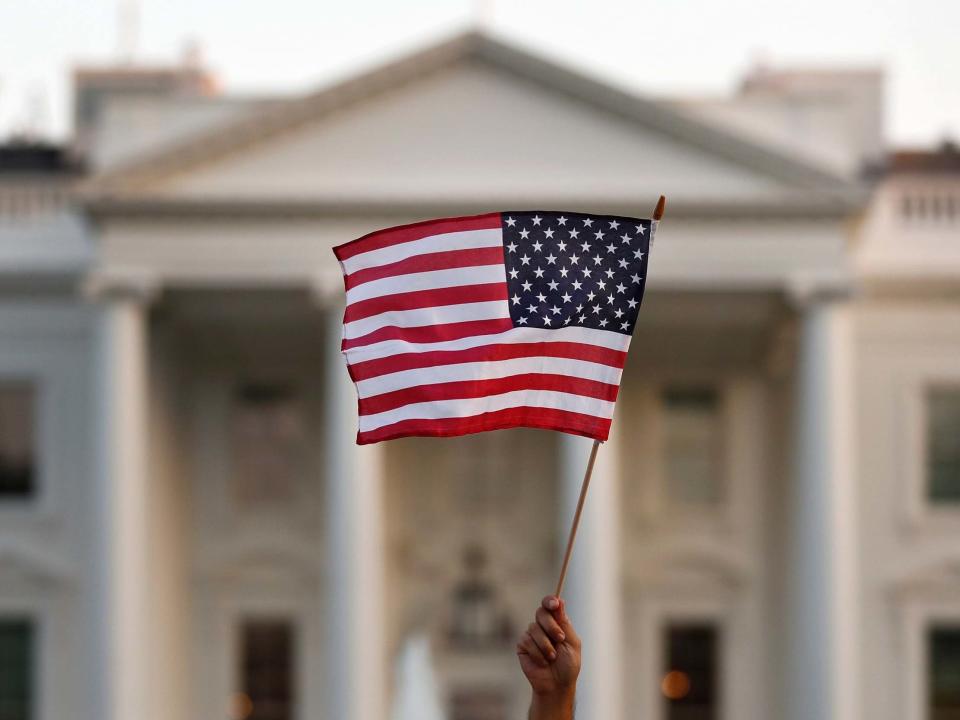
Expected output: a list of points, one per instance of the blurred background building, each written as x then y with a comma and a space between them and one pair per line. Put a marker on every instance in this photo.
188, 532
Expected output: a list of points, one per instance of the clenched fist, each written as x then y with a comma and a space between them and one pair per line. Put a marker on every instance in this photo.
549, 654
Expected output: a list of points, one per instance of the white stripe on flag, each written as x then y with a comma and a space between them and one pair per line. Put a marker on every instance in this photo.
460, 240
490, 403
488, 370
438, 315
455, 277
587, 336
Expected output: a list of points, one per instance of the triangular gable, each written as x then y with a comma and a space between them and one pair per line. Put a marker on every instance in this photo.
470, 116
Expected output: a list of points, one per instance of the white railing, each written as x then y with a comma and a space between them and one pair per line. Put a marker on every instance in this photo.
26, 200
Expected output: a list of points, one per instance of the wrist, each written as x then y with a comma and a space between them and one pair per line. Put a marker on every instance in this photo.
554, 703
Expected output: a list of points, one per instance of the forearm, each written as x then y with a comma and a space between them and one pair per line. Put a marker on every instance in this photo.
552, 706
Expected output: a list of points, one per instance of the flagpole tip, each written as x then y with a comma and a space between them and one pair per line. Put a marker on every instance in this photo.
661, 205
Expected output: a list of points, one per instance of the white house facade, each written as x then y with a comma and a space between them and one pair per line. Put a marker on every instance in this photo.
188, 531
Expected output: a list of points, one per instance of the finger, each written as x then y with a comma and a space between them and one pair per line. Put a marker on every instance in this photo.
529, 646
543, 642
550, 625
551, 603
560, 615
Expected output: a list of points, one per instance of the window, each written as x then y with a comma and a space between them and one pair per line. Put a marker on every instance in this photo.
17, 469
268, 444
16, 669
943, 445
943, 648
692, 427
267, 671
690, 681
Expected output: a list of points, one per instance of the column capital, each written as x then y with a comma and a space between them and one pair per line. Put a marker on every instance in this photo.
136, 285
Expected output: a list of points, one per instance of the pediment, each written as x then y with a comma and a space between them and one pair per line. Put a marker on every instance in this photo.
472, 121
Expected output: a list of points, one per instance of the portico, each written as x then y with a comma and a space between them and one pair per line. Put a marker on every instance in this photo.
216, 282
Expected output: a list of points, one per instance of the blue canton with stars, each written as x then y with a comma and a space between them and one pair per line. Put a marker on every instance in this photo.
571, 269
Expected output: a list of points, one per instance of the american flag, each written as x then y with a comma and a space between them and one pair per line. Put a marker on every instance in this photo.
511, 319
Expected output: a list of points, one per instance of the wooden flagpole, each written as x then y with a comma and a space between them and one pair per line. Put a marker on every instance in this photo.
657, 215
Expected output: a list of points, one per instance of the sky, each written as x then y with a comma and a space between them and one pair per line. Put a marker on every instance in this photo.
657, 47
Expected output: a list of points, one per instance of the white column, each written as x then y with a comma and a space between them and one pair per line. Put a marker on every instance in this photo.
822, 680
122, 505
593, 589
356, 658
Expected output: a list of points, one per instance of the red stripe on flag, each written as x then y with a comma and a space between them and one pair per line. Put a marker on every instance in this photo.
425, 298
446, 260
543, 418
481, 388
507, 351
431, 333
415, 231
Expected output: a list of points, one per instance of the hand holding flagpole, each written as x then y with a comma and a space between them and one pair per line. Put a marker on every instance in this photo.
657, 215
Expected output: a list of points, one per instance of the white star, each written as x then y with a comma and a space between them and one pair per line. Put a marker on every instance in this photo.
566, 321
546, 319
566, 297
525, 260
532, 308
602, 284
549, 234
579, 308
555, 310
625, 239
614, 224
577, 284
513, 274
574, 233
541, 297
511, 222
590, 296
526, 286
611, 248
598, 235
585, 247
538, 272
551, 259
596, 309
574, 259
523, 234
635, 278
608, 272
553, 284
641, 229
588, 222
596, 259
537, 245
621, 287
609, 299
586, 272
624, 325
516, 299
618, 312
537, 219
511, 247
562, 220
603, 323
562, 246
632, 303
581, 319
622, 262
637, 254
563, 272
522, 321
